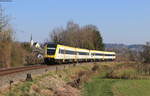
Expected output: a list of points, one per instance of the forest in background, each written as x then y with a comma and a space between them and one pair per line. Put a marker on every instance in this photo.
88, 36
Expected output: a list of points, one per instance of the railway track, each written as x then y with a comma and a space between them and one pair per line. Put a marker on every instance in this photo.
20, 69
20, 73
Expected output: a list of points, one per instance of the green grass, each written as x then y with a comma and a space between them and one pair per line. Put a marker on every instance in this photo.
24, 89
131, 88
99, 87
117, 87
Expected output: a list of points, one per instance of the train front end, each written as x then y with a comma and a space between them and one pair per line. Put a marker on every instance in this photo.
50, 50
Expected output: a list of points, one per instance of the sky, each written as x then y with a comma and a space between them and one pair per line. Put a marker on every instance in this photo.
120, 21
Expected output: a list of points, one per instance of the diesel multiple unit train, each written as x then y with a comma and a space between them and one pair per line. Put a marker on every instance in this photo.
64, 54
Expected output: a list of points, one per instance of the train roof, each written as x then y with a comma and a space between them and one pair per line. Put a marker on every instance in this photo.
106, 52
72, 47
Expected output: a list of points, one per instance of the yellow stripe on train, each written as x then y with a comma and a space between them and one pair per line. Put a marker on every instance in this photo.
49, 56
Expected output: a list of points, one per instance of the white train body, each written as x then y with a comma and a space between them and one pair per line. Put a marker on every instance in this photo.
61, 53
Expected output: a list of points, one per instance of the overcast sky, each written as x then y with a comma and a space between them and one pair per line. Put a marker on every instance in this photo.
120, 21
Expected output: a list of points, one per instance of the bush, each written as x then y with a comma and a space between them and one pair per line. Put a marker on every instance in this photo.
17, 55
12, 54
5, 54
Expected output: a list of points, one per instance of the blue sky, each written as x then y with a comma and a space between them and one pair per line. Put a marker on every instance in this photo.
120, 21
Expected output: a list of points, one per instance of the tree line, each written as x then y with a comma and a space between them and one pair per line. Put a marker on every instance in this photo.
88, 36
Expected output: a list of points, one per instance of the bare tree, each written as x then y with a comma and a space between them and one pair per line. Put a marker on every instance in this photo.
5, 29
5, 39
87, 36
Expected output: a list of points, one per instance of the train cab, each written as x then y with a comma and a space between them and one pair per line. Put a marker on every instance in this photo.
50, 50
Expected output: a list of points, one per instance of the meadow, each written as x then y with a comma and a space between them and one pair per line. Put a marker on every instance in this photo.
119, 80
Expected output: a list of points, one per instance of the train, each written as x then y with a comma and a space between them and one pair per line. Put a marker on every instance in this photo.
65, 54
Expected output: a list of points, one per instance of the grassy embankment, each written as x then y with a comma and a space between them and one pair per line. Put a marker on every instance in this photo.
109, 79
50, 84
119, 81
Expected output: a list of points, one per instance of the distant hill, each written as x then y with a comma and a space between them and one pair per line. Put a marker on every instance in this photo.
135, 47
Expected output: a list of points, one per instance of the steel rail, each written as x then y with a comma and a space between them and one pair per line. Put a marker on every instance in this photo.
20, 69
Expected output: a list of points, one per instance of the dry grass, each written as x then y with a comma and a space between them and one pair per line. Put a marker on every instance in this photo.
51, 84
56, 83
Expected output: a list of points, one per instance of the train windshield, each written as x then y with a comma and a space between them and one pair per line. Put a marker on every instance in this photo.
51, 48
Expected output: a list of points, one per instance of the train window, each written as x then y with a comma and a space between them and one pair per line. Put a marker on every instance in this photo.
83, 53
99, 54
92, 54
109, 54
50, 51
61, 51
51, 48
70, 52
